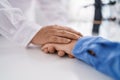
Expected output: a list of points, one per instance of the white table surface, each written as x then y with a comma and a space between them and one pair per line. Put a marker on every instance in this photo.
19, 63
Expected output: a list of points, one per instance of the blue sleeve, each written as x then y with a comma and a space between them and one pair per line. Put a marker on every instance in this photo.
106, 56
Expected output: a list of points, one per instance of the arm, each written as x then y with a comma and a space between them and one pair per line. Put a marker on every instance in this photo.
102, 54
14, 25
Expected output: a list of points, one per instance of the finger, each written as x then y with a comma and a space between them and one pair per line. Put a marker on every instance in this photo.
45, 46
61, 53
68, 29
66, 34
45, 50
70, 56
57, 39
51, 49
73, 31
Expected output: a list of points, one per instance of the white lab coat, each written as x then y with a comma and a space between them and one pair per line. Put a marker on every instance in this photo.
20, 20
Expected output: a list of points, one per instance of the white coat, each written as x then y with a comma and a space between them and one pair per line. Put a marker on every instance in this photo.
20, 20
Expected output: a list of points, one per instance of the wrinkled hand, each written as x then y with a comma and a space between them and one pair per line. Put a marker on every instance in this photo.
55, 34
62, 49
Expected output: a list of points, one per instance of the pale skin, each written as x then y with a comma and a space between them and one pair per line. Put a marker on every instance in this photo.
62, 49
55, 34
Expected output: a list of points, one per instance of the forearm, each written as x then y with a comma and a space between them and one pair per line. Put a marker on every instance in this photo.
14, 24
106, 56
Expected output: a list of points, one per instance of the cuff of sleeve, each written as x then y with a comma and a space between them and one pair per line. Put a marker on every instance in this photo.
79, 46
80, 49
26, 32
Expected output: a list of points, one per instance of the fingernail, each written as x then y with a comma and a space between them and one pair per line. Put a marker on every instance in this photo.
77, 37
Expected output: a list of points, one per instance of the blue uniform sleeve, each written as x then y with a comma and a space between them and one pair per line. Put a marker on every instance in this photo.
106, 57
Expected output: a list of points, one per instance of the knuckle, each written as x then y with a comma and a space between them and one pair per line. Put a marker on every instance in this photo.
73, 36
54, 31
63, 32
53, 38
53, 26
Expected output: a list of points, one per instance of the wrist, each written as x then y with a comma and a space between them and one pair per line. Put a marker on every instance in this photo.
72, 46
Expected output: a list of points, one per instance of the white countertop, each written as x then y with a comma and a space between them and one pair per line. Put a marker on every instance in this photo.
19, 63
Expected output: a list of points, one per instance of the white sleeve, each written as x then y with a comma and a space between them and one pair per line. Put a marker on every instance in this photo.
14, 25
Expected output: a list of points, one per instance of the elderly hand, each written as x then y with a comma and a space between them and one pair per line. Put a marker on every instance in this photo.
62, 49
55, 34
